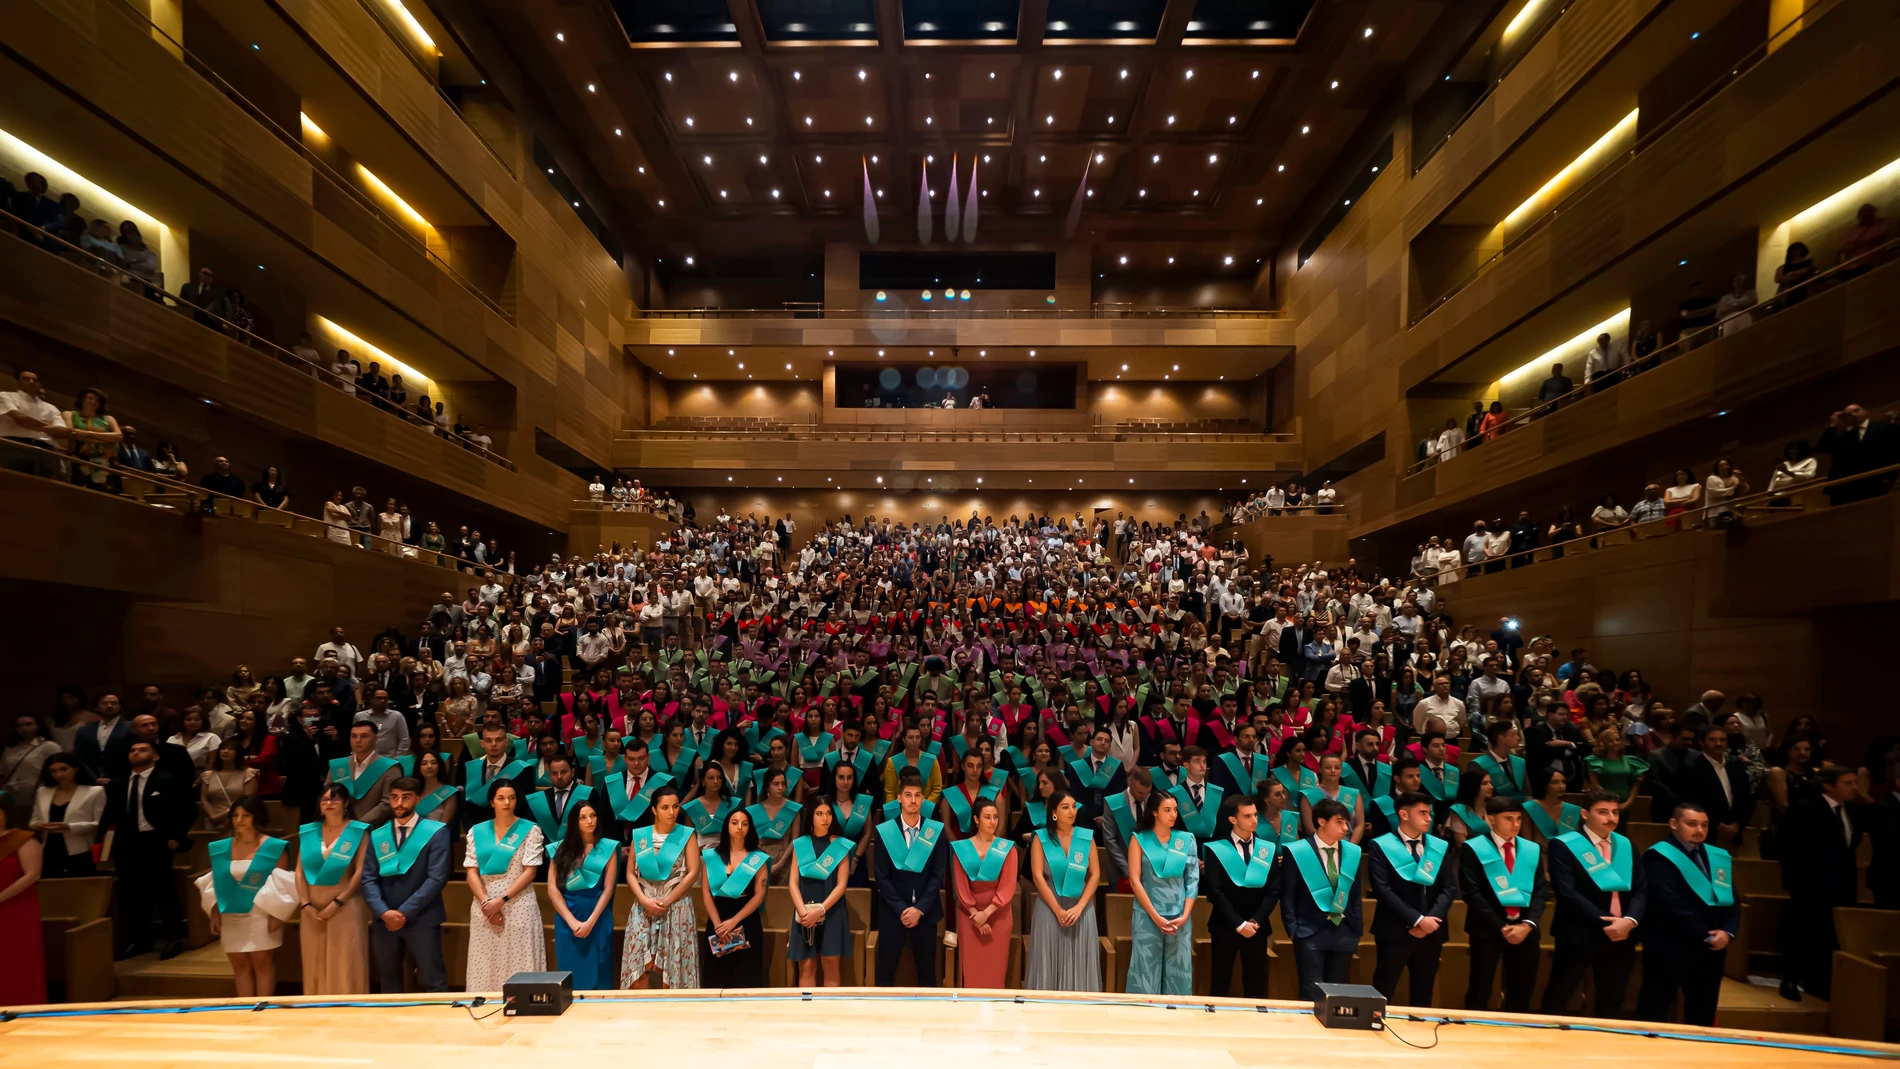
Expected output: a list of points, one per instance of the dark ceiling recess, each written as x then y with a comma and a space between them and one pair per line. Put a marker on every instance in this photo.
977, 271
1248, 19
653, 21
960, 20
819, 20
1102, 20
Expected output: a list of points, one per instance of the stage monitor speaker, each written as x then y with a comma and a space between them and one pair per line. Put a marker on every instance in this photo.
537, 994
1350, 1006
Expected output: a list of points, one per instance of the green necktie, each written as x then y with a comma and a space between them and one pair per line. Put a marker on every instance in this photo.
1337, 914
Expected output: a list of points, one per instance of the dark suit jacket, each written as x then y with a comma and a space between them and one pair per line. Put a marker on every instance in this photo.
1817, 860
1402, 902
898, 890
1484, 914
1217, 773
1581, 906
1539, 753
1676, 916
1669, 775
1091, 800
1852, 454
473, 814
416, 894
1700, 784
99, 761
1233, 904
169, 805
1305, 921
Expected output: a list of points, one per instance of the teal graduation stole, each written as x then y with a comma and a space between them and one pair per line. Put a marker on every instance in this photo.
1068, 869
880, 749
962, 808
1474, 823
1382, 777
1251, 873
1328, 895
1098, 779
597, 767
480, 785
1037, 812
632, 809
1441, 789
237, 894
852, 827
861, 760
1199, 821
358, 785
428, 803
656, 865
812, 751
762, 742
1509, 782
1719, 891
492, 855
592, 867
1247, 780
772, 829
1027, 777
813, 865
393, 862
585, 752
681, 770
543, 809
407, 762
985, 868
320, 871
901, 761
914, 857
1570, 821
1423, 871
1118, 808
1169, 859
709, 823
1615, 874
1295, 782
1390, 807
892, 808
1513, 888
738, 882
1347, 797
1285, 830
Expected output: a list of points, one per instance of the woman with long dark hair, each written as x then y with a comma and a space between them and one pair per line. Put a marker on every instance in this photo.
983, 878
1063, 954
504, 917
821, 927
333, 932
248, 898
663, 866
1164, 873
581, 878
734, 895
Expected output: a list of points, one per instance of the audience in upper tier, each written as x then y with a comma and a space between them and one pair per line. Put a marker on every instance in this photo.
952, 716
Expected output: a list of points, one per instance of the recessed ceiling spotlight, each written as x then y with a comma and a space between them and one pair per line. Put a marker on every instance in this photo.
1213, 157
1156, 158
1048, 120
722, 194
1259, 201
669, 76
788, 367
775, 194
827, 192
705, 159
796, 76
617, 131
560, 37
1282, 167
1228, 260
689, 120
732, 76
1099, 157
748, 120
642, 170
1304, 129
807, 120
1170, 259
1035, 192
1142, 193
590, 87
1124, 259
1058, 74
663, 204
1170, 120
1231, 119
867, 120
986, 159
1124, 72
1256, 74
861, 76
1335, 84
1042, 159
689, 261
817, 159
1190, 72
1368, 31
669, 352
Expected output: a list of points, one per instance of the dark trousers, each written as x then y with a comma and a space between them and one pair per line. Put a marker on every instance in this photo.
148, 892
1403, 954
1520, 972
1253, 963
1609, 964
1317, 966
30, 456
1671, 966
1808, 942
424, 944
893, 939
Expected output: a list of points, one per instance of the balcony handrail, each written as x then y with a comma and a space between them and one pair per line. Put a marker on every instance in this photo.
319, 167
1549, 21
396, 34
812, 310
1763, 307
948, 435
202, 499
18, 229
1703, 97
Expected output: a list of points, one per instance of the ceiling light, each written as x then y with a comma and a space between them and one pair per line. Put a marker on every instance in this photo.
669, 76
861, 76
788, 367
1042, 159
1190, 72
1228, 260
1032, 352
662, 204
1282, 167
689, 120
732, 76
1091, 193
1124, 72
775, 194
930, 159
705, 159
880, 193
669, 352
1212, 157
880, 478
1170, 120
1124, 367
1170, 259
1143, 193
1156, 158
1058, 74
827, 192
817, 159
1124, 259
1036, 193
742, 368
1349, 203
761, 159
991, 120
874, 159
722, 194
1231, 120
982, 352
689, 263
729, 352
1368, 31
1335, 84
1099, 157
616, 131
748, 120
560, 37
1049, 120
927, 120
796, 76
642, 170
1177, 367
590, 87
880, 352
1256, 74
1304, 129
1111, 118
1259, 201
807, 120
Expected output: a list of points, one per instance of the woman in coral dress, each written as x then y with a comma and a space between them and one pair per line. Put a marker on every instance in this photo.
984, 871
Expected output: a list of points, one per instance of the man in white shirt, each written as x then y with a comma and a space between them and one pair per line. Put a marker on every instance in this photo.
1276, 500
1441, 706
297, 680
1474, 548
592, 647
1488, 687
342, 650
28, 425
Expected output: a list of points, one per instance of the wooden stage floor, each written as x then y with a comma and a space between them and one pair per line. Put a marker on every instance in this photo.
852, 1030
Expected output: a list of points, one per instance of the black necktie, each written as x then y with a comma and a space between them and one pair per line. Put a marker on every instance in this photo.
402, 834
1246, 852
1417, 849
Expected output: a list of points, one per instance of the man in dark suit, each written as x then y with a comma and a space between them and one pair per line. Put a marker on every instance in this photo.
1363, 771
150, 811
1670, 770
1239, 772
1504, 892
1856, 443
1817, 843
1556, 742
1319, 900
910, 859
1382, 814
497, 764
1720, 782
403, 876
205, 297
172, 758
101, 746
1293, 640
1692, 918
1601, 893
1241, 878
1413, 884
1094, 776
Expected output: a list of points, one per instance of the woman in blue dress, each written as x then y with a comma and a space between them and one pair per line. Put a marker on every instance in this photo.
1165, 875
821, 926
581, 882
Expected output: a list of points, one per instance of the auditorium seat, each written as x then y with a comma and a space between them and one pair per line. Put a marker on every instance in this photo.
1866, 1000
77, 929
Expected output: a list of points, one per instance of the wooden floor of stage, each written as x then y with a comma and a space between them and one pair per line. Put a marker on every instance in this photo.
871, 1030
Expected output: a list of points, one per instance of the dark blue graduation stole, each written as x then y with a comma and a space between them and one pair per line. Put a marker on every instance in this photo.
1615, 874
813, 865
492, 855
1251, 873
543, 809
356, 785
632, 809
320, 871
237, 894
914, 857
773, 829
1423, 871
1570, 820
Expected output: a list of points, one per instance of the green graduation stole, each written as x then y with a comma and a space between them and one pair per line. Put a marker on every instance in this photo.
1513, 888
1199, 821
238, 894
1509, 782
738, 882
773, 829
393, 862
1287, 830
861, 762
1295, 781
1170, 859
632, 809
813, 865
812, 751
1445, 789
852, 827
592, 867
680, 770
653, 865
1068, 870
1717, 892
914, 857
963, 809
1613, 875
428, 803
1570, 821
1382, 777
480, 785
340, 773
492, 855
984, 869
709, 823
1117, 806
597, 767
320, 871
1239, 771
543, 809
1251, 873
1098, 779
1423, 871
1328, 895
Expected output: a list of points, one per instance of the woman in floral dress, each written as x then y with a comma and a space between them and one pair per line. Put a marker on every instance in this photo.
663, 867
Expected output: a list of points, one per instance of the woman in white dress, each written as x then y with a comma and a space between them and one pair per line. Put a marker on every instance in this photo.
248, 898
336, 518
389, 525
504, 918
663, 867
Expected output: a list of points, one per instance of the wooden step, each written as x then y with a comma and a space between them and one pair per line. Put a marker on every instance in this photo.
202, 972
1755, 1007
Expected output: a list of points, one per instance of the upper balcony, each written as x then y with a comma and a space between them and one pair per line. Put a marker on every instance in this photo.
1103, 325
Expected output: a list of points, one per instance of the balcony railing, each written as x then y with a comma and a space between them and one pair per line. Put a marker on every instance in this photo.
945, 436
398, 34
1621, 378
58, 248
1547, 21
951, 310
1651, 137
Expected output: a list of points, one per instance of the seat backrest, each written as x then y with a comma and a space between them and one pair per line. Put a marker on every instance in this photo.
857, 903
778, 909
1867, 931
1121, 916
80, 898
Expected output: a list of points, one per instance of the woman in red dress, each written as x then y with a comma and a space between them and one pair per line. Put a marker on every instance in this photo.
23, 981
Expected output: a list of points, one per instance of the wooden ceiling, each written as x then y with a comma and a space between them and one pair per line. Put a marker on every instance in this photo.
724, 127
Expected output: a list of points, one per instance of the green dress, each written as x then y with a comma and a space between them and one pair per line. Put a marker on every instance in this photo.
95, 474
1617, 775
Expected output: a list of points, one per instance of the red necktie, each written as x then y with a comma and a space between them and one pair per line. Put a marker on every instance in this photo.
1510, 864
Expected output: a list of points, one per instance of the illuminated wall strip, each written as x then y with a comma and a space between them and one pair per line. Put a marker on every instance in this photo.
1617, 326
97, 202
364, 352
1611, 142
1520, 21
311, 129
381, 189
1842, 204
409, 23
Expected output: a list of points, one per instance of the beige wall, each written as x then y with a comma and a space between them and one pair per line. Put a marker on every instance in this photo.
793, 402
1115, 401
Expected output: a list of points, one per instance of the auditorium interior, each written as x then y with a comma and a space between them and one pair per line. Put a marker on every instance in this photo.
1575, 323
